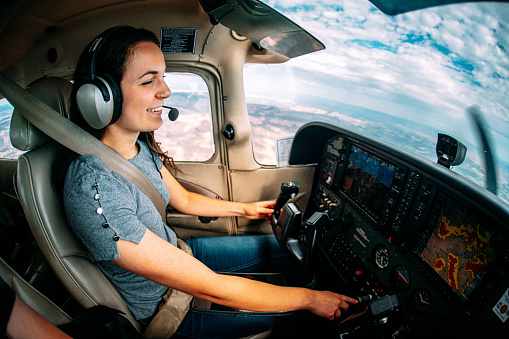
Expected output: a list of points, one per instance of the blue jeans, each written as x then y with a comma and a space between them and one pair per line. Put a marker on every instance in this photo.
245, 254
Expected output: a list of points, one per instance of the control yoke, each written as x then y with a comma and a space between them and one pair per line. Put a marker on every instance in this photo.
289, 190
296, 236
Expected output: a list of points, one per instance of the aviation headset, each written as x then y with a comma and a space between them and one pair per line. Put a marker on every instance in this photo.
100, 97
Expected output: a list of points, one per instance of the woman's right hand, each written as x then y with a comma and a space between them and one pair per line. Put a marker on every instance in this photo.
328, 304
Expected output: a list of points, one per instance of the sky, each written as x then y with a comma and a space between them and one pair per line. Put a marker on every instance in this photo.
427, 66
445, 61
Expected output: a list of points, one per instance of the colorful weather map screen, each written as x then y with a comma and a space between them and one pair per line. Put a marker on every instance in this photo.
460, 250
367, 181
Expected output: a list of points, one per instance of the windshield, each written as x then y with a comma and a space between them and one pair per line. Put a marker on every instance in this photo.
402, 79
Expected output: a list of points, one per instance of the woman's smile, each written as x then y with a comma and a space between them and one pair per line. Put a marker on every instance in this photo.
158, 110
143, 89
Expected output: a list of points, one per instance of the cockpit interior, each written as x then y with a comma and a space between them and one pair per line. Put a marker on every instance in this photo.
424, 249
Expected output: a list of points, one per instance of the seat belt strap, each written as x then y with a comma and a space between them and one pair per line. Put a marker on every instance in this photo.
77, 139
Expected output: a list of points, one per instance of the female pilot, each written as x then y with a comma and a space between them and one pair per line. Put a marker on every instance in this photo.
123, 230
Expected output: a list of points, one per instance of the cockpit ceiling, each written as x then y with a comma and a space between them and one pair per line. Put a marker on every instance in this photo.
394, 7
57, 12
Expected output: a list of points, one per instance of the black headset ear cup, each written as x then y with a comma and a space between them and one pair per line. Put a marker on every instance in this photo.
100, 101
116, 93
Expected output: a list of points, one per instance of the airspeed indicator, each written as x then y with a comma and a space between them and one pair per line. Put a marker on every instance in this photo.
381, 256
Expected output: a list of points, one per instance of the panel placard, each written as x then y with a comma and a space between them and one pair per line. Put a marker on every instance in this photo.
178, 40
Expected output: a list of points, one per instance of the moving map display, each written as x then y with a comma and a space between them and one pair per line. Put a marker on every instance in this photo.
460, 250
367, 180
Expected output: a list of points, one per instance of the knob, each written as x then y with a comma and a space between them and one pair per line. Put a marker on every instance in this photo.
229, 132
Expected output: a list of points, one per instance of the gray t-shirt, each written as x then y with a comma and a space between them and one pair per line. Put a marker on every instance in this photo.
101, 205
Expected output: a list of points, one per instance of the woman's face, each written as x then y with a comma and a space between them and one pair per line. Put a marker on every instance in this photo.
143, 89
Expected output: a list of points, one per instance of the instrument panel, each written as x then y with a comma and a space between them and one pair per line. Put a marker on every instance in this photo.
406, 227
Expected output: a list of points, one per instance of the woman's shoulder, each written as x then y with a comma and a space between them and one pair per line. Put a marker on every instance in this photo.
86, 164
85, 168
88, 171
92, 164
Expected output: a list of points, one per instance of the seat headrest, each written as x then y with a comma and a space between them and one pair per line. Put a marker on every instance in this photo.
54, 92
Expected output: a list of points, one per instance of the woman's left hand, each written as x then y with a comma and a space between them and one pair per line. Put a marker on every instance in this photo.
259, 210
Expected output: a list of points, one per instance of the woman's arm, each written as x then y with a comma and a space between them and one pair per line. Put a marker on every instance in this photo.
24, 322
159, 261
197, 204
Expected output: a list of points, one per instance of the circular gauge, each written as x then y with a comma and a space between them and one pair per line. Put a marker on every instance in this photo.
419, 301
381, 256
399, 278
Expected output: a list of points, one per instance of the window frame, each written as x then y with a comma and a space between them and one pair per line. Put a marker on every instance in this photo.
212, 86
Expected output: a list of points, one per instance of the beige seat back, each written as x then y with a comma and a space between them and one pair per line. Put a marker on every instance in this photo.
44, 209
33, 298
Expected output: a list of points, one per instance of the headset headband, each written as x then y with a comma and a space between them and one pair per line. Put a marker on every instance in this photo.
89, 59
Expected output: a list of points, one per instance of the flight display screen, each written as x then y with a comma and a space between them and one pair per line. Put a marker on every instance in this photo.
367, 181
460, 250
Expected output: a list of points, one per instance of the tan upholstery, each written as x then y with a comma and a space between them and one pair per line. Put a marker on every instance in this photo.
54, 92
32, 297
44, 210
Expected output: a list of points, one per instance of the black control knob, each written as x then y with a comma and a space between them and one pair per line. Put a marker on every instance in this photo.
229, 132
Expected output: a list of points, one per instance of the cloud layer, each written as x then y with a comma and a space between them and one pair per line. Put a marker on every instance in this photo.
423, 64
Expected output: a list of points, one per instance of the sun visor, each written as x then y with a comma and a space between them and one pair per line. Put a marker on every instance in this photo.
394, 7
263, 25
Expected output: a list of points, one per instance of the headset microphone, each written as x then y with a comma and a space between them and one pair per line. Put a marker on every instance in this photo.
173, 114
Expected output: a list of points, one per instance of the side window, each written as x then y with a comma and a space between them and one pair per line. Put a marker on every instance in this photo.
190, 137
6, 149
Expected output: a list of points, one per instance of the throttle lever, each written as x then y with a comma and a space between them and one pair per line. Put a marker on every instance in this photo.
289, 190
